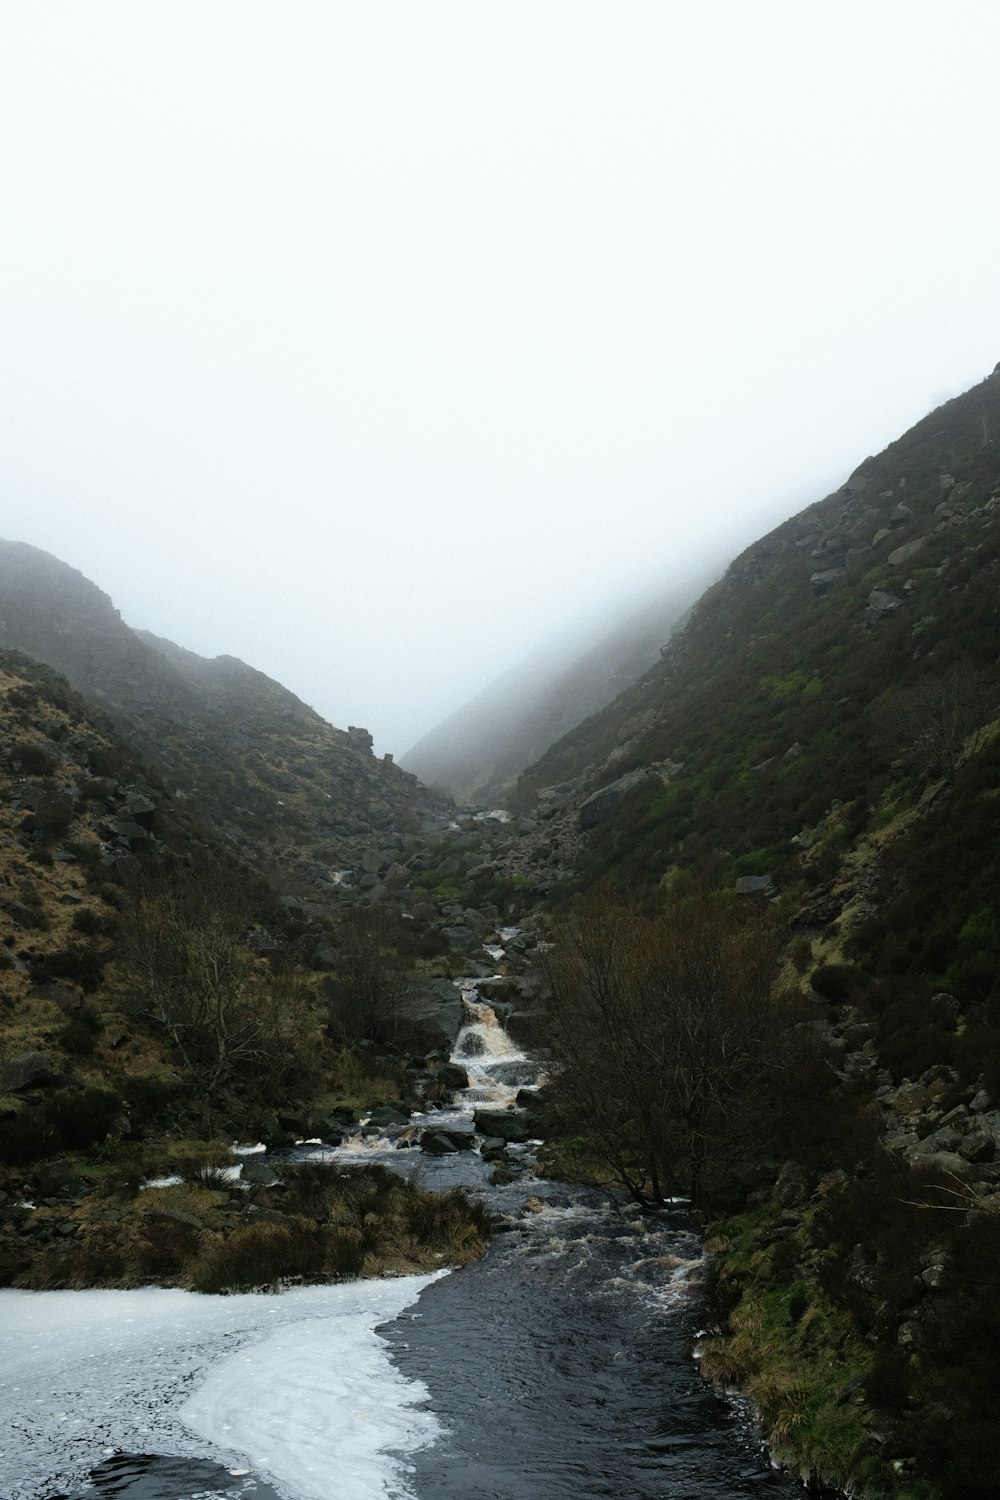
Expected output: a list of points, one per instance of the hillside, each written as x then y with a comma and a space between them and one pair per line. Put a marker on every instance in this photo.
265, 772
819, 749
478, 752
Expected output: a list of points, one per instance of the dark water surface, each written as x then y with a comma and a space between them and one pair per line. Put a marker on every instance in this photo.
561, 1366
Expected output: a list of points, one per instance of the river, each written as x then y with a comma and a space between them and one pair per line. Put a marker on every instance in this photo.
557, 1368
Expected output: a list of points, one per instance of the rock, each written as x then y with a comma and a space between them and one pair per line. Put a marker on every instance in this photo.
436, 1143
977, 1147
948, 1162
461, 937
140, 809
824, 580
453, 1077
881, 602
902, 515
944, 1139
434, 1016
904, 553
605, 802
502, 1125
493, 1149
911, 1098
389, 1114
747, 884
259, 1174
25, 1071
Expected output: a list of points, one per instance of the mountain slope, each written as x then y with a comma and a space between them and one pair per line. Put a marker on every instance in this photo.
282, 786
478, 751
823, 738
768, 697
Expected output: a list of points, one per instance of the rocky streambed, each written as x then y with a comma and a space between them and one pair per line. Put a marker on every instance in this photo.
559, 1365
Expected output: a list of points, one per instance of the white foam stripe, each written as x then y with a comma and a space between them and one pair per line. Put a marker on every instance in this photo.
300, 1385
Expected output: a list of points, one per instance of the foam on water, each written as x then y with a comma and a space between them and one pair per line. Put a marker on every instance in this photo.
297, 1387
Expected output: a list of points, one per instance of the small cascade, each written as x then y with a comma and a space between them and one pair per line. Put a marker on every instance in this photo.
495, 1064
497, 1070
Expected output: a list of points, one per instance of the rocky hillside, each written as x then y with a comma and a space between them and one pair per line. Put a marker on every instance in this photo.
480, 750
792, 683
823, 737
280, 785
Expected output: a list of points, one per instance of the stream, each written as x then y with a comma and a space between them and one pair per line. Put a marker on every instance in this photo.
556, 1368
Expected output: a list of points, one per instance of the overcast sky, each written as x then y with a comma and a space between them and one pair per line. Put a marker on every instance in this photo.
370, 342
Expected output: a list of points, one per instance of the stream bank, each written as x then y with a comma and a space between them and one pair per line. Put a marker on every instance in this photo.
557, 1366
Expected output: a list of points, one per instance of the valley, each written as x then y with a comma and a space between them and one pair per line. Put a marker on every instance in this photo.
742, 917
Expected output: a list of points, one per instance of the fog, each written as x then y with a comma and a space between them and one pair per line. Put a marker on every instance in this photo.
374, 342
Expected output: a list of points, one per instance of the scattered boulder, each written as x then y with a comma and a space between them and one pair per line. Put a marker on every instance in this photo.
502, 1124
605, 802
880, 603
25, 1071
904, 553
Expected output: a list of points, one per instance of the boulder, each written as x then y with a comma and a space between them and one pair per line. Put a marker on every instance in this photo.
605, 802
977, 1147
824, 580
461, 937
437, 1143
387, 1115
746, 885
25, 1071
453, 1077
502, 1124
432, 1016
904, 553
881, 602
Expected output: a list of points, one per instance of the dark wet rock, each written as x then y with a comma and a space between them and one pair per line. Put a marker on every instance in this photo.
494, 1149
502, 1124
390, 1114
453, 1077
259, 1174
437, 1143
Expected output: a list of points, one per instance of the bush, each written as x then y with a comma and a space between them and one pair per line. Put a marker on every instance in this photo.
837, 982
31, 760
261, 1255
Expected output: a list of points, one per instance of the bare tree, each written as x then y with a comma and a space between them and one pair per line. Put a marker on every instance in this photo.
190, 968
930, 725
667, 1036
366, 990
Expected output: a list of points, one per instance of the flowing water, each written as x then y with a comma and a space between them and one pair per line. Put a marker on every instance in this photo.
557, 1368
